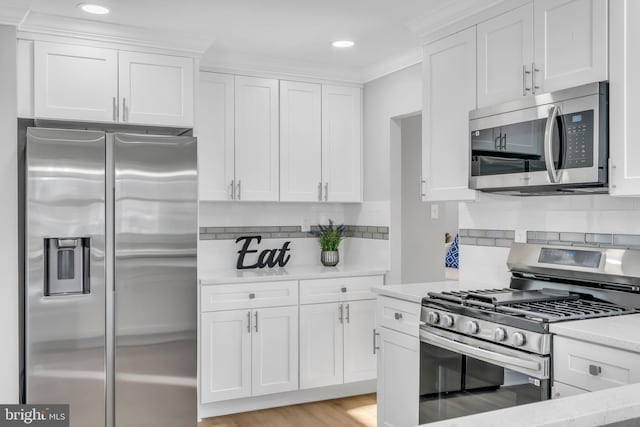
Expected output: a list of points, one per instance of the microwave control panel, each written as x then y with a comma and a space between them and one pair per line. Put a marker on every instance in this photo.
578, 131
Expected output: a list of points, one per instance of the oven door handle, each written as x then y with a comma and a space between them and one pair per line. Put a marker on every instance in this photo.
548, 144
479, 353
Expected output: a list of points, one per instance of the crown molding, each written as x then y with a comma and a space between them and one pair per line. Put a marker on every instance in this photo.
36, 23
452, 17
391, 65
12, 15
254, 65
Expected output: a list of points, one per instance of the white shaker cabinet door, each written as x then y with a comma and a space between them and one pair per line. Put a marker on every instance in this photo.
321, 347
300, 142
75, 82
398, 379
215, 132
359, 358
257, 139
570, 43
505, 56
342, 143
624, 87
225, 363
156, 89
449, 78
275, 350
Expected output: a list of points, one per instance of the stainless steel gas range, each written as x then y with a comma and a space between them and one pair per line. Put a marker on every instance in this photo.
490, 349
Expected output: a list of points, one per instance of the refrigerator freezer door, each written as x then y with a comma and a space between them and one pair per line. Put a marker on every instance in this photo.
65, 331
155, 238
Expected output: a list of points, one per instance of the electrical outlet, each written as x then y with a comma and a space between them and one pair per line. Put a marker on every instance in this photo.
435, 211
520, 235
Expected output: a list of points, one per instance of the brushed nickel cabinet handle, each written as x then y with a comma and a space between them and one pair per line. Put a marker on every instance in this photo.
125, 110
256, 325
375, 347
115, 109
341, 318
320, 191
326, 191
348, 315
249, 321
232, 189
525, 72
534, 86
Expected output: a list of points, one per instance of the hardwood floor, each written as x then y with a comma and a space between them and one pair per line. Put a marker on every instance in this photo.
349, 411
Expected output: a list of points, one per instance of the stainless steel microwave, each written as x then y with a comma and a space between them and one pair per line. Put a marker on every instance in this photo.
552, 143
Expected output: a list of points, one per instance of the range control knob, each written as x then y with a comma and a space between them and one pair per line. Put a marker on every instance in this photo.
433, 317
499, 334
518, 339
471, 327
447, 321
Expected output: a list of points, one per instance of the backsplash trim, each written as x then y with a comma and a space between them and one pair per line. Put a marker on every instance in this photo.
290, 232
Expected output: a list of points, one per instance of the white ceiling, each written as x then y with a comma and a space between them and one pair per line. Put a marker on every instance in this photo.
281, 30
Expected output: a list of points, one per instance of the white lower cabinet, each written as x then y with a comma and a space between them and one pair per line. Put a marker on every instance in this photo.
321, 345
359, 357
248, 353
591, 366
398, 378
336, 343
225, 343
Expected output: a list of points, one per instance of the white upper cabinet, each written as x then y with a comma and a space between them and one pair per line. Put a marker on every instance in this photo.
449, 77
75, 82
256, 138
624, 98
505, 56
541, 47
215, 132
342, 143
300, 142
155, 89
570, 43
106, 85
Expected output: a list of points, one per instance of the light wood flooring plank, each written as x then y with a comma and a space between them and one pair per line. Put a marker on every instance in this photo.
355, 411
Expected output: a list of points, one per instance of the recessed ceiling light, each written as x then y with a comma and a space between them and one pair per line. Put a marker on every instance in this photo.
342, 43
95, 9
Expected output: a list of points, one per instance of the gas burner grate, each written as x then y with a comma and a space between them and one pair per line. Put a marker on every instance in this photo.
556, 311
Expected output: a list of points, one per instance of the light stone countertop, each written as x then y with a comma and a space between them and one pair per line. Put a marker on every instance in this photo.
217, 277
622, 332
414, 292
584, 410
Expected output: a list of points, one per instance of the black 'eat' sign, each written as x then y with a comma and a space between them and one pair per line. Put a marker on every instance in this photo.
267, 258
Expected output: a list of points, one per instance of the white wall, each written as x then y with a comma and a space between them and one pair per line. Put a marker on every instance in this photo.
589, 213
9, 352
394, 95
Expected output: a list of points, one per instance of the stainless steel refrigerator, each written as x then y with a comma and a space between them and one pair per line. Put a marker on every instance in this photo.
110, 276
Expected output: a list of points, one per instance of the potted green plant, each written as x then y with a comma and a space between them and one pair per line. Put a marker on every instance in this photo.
330, 238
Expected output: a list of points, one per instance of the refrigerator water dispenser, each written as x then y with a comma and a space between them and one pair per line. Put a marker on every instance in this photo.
66, 266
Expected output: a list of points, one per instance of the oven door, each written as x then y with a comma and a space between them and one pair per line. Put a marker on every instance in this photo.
461, 375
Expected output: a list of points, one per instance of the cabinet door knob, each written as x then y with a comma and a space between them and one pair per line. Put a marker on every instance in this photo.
595, 370
343, 289
398, 316
252, 295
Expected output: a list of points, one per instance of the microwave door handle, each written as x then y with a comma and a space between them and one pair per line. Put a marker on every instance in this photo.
548, 144
479, 353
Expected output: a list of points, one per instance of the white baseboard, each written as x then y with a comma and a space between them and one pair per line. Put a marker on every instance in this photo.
226, 407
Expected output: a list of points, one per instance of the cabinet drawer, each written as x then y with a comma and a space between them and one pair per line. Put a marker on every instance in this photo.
314, 291
249, 295
593, 367
398, 315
